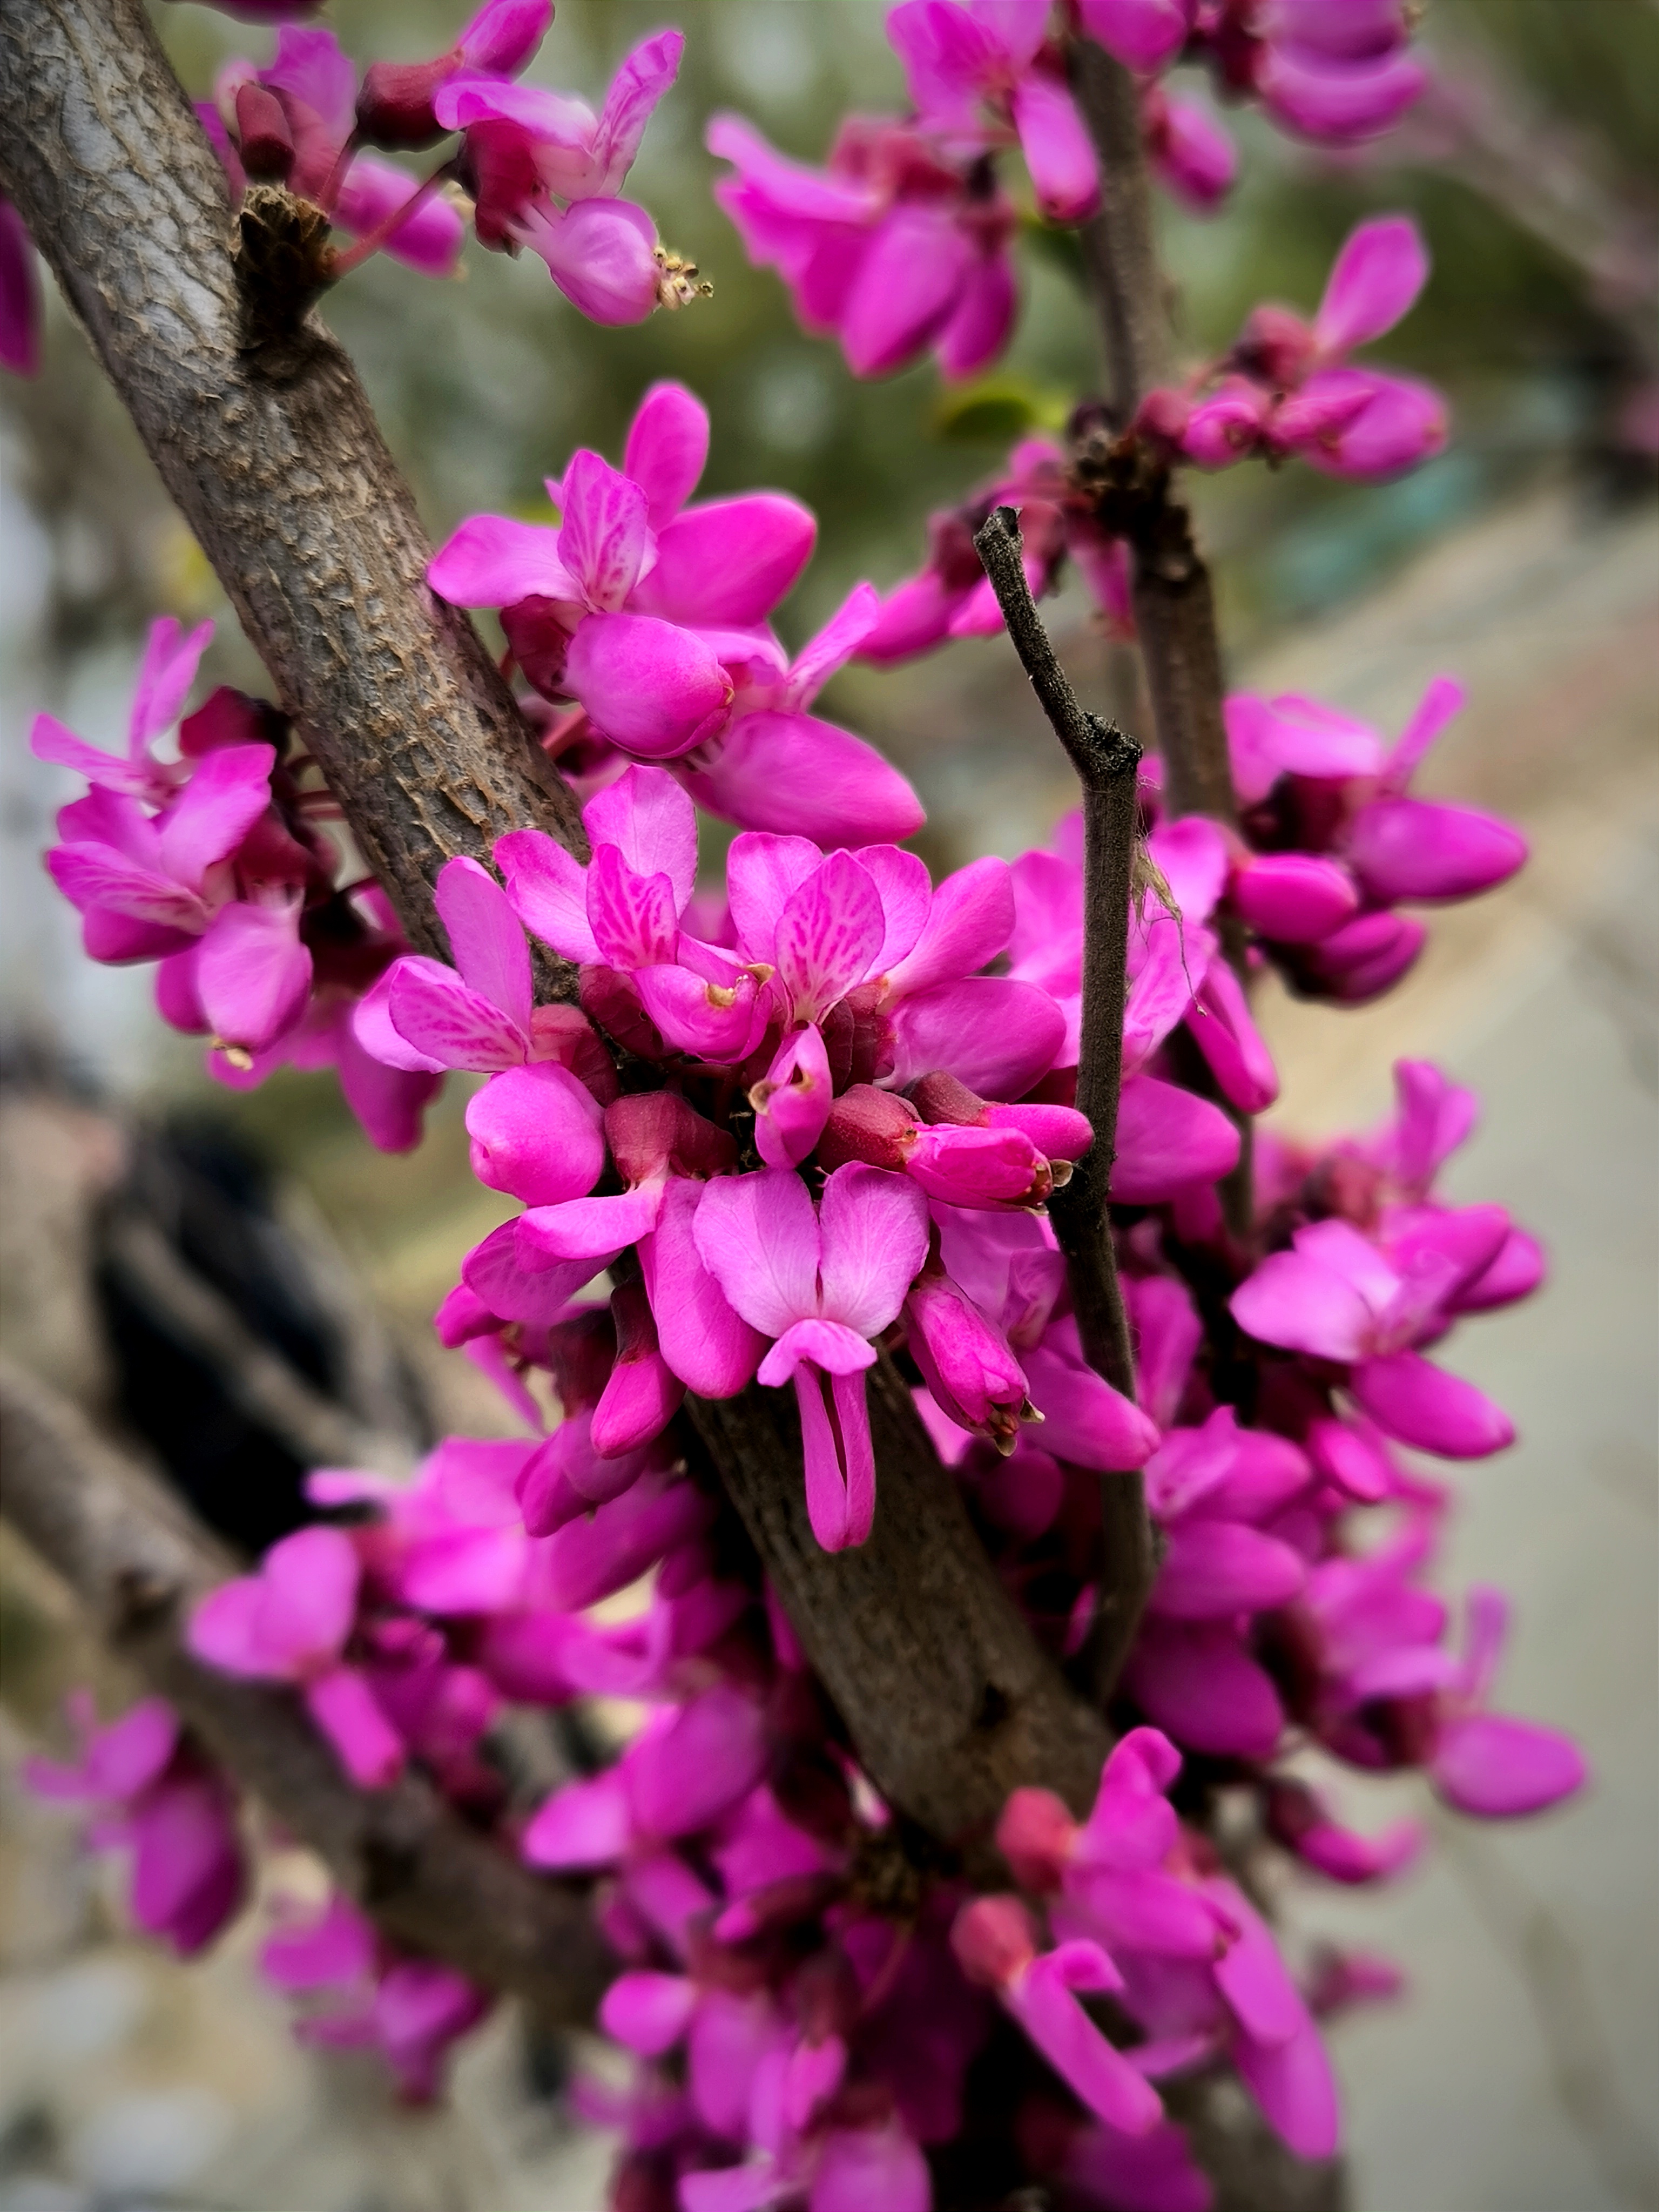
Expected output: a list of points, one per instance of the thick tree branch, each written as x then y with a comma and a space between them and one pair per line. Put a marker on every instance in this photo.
277, 462
1106, 762
134, 1558
1174, 605
969, 1707
272, 453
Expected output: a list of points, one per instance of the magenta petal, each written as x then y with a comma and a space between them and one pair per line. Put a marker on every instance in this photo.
603, 533
1294, 896
652, 824
652, 688
969, 923
726, 563
1058, 150
1376, 276
1293, 1300
758, 1237
485, 938
547, 888
585, 1825
873, 1227
536, 1134
253, 974
1497, 1768
1078, 2051
538, 1297
668, 446
996, 1036
375, 1033
647, 2013
587, 1228
638, 1402
791, 1101
1293, 2084
1413, 1400
1144, 35
1167, 1139
793, 775
494, 562
1214, 1569
1219, 1022
685, 1770
342, 1705
828, 932
1419, 848
907, 285
1201, 1685
95, 877
447, 1022
711, 1348
1086, 1421
429, 239
601, 253
226, 795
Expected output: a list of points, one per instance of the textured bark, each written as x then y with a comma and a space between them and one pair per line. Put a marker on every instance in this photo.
1119, 243
968, 1708
275, 460
136, 1559
272, 454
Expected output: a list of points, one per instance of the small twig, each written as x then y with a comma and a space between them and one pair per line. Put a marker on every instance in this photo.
256, 1378
132, 1554
1106, 762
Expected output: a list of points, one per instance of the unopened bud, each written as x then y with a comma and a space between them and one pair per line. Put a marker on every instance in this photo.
394, 104
263, 135
941, 1098
868, 1125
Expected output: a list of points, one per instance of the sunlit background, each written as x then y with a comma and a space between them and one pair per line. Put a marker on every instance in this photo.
1521, 2071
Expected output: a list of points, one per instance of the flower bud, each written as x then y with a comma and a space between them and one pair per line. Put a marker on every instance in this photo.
869, 1124
263, 137
994, 1939
394, 103
1037, 1835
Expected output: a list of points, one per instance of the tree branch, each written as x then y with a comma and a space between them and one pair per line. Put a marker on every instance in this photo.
136, 1559
272, 454
1106, 762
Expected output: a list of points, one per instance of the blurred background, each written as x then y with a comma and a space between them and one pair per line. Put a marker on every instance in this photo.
1520, 2072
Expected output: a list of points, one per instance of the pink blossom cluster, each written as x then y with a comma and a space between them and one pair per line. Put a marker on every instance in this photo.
151, 1795
537, 168
214, 865
1288, 386
1334, 72
647, 619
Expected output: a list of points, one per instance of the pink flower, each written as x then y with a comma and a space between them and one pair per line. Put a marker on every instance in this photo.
153, 1794
290, 1623
896, 248
20, 296
821, 1283
363, 1994
395, 100
996, 1942
526, 150
968, 60
314, 87
171, 660
1335, 1296
1288, 387
650, 615
1487, 1764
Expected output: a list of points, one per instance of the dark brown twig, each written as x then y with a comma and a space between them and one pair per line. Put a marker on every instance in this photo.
136, 1559
1106, 762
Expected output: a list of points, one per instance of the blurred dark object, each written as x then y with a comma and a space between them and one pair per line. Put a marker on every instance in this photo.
157, 1274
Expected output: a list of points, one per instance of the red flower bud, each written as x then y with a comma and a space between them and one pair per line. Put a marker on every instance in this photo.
263, 135
869, 1124
394, 105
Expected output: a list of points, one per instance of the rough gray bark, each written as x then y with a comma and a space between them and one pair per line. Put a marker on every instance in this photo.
968, 1707
277, 462
272, 454
1174, 605
136, 1559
